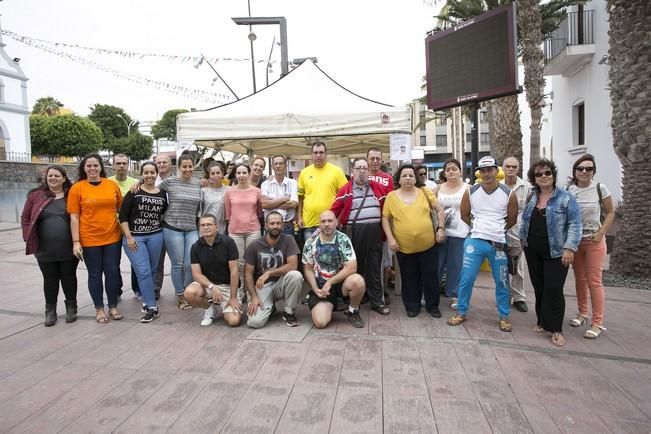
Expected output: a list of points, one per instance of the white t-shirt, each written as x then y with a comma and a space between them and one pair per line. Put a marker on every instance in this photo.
489, 213
451, 203
588, 201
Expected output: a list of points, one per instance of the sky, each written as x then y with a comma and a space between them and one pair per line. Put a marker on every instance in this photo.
373, 47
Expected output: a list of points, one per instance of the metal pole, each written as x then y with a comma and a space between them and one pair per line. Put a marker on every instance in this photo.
284, 59
219, 76
474, 137
251, 42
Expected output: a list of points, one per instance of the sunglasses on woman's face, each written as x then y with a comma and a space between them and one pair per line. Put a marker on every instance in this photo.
545, 173
584, 168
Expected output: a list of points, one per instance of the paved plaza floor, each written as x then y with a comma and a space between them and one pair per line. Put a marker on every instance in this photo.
396, 375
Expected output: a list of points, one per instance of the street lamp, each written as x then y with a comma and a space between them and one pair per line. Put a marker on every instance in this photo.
129, 124
282, 22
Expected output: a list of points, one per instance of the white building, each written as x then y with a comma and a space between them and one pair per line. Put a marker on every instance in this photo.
576, 59
14, 112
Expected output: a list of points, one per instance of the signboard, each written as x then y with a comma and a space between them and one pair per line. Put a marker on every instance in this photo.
400, 145
473, 61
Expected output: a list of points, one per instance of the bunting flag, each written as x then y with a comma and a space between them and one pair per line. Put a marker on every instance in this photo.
123, 53
196, 94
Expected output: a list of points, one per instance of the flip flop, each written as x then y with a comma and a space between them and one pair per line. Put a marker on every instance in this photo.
115, 315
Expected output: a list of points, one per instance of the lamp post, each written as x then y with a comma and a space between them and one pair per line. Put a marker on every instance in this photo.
129, 124
282, 22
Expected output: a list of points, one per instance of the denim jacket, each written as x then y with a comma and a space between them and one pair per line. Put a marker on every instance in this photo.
563, 221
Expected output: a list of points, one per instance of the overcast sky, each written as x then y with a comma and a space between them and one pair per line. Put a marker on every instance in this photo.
373, 47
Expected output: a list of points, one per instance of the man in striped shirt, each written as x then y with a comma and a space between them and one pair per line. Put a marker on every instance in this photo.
280, 194
358, 206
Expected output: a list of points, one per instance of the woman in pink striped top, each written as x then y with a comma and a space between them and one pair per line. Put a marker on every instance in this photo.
242, 206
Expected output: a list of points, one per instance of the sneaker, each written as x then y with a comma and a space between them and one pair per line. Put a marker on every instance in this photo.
521, 306
355, 319
150, 315
453, 303
208, 316
290, 319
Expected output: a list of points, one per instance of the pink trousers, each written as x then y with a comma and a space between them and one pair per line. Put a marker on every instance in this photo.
588, 268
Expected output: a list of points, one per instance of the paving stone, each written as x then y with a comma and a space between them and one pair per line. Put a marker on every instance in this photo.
259, 410
357, 410
66, 408
309, 409
211, 407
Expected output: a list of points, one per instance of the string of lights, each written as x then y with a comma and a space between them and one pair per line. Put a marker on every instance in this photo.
123, 53
197, 94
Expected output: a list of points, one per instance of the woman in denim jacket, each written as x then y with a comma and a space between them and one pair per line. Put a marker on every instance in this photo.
550, 234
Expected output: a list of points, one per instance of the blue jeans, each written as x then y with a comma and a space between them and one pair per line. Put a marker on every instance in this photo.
144, 262
474, 253
450, 259
178, 246
103, 260
418, 274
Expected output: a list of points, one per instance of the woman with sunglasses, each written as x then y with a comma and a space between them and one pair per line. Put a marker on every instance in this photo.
550, 233
597, 214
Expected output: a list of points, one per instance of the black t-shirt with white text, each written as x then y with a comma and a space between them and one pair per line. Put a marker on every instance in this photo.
144, 211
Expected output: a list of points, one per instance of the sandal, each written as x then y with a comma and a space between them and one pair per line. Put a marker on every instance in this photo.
578, 321
183, 304
100, 316
456, 319
539, 329
115, 315
505, 325
558, 339
594, 332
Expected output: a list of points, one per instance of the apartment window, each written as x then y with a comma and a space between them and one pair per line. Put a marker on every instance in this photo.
423, 140
579, 124
468, 138
422, 121
483, 117
441, 141
440, 119
484, 140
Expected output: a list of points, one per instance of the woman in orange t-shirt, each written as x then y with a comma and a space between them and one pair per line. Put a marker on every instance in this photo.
93, 203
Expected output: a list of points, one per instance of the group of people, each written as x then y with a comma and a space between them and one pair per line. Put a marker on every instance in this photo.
238, 241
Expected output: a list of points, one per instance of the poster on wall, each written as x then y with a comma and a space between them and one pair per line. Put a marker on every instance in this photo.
400, 145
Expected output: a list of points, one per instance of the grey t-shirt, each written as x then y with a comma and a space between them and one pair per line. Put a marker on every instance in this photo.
212, 202
588, 201
265, 257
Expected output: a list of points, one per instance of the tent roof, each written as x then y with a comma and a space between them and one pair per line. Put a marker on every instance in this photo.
285, 116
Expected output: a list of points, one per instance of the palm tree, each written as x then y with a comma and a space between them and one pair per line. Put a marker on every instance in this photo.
48, 106
630, 87
535, 21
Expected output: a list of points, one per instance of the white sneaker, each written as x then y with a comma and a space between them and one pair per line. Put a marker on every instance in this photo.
208, 316
453, 303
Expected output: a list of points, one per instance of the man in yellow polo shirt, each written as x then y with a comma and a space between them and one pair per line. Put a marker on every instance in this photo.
318, 184
124, 181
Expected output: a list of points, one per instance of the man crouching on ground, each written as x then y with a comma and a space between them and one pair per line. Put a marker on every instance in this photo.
216, 274
330, 269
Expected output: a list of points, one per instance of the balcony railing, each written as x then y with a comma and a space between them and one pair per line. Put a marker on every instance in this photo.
575, 29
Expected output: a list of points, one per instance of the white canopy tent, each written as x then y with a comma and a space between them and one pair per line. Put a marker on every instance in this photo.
286, 116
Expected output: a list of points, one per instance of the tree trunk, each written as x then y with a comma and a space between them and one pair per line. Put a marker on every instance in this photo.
508, 134
530, 23
630, 88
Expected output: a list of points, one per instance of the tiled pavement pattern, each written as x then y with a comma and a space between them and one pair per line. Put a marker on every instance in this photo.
397, 375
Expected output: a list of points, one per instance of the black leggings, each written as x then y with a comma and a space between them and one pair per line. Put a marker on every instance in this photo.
548, 278
60, 271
